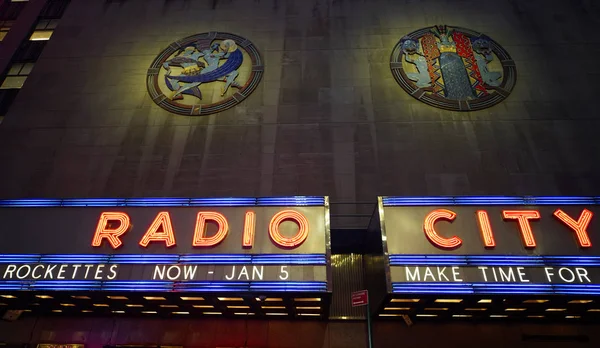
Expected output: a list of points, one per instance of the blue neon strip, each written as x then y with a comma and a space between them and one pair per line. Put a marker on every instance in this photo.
199, 259
162, 286
488, 200
166, 202
495, 288
493, 260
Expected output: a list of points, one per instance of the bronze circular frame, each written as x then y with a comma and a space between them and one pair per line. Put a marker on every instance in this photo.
427, 96
204, 109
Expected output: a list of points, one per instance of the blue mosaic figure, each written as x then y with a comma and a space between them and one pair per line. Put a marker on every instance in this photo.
457, 85
413, 56
483, 54
195, 72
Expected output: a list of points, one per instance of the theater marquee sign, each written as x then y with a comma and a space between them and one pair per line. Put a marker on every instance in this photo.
245, 244
491, 245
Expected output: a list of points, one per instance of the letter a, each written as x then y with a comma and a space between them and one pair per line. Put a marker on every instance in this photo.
153, 235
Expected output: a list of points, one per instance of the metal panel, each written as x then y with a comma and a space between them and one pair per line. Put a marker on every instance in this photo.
348, 276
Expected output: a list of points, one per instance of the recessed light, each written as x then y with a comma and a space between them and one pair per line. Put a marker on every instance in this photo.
309, 299
273, 299
498, 316
86, 311
81, 297
272, 307
117, 297
43, 296
230, 299
134, 305
238, 307
572, 317
155, 298
515, 309
149, 312
182, 313
186, 298
118, 312
309, 314
309, 308
462, 316
484, 300
427, 315
276, 313
404, 300
535, 301
8, 296
475, 309
556, 309
581, 301
448, 300
390, 315
594, 310
67, 304
397, 309
535, 316
202, 306
436, 309
57, 310
3, 304
100, 305
169, 306
243, 313
212, 313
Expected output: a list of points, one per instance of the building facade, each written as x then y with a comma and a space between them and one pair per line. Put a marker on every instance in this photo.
324, 115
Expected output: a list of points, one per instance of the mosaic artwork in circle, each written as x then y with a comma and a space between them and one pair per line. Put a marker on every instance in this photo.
204, 74
453, 68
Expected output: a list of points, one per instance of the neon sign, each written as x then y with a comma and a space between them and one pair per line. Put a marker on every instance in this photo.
491, 245
113, 225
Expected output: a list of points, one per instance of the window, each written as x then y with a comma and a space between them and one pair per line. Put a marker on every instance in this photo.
17, 74
43, 30
6, 98
54, 9
10, 10
4, 28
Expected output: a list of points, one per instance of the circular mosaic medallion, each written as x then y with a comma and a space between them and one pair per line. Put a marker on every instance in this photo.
204, 74
453, 68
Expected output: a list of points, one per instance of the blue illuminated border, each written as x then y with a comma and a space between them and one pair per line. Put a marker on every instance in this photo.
196, 259
493, 260
163, 286
166, 202
488, 200
495, 288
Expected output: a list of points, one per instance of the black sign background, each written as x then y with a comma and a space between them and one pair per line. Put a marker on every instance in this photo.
66, 230
405, 235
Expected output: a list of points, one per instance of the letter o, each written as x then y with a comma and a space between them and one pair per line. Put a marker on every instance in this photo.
26, 274
280, 239
560, 271
169, 272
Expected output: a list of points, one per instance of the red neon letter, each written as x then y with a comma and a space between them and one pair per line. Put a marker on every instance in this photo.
523, 217
200, 239
112, 234
283, 241
249, 228
152, 235
578, 226
486, 229
433, 236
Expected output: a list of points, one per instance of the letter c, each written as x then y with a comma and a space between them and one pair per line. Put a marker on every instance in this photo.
433, 236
